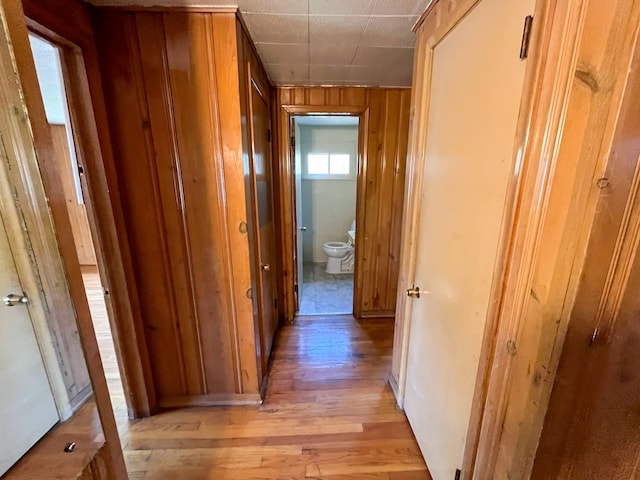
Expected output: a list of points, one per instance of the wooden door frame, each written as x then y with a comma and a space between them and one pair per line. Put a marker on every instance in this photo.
102, 203
38, 197
286, 181
548, 75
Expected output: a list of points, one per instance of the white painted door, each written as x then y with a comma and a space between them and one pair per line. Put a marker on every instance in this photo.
301, 228
474, 102
27, 408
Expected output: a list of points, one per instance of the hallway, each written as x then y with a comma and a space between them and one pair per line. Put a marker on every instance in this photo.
329, 413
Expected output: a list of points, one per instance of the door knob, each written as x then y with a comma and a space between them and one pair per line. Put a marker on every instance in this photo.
266, 267
413, 292
304, 229
12, 300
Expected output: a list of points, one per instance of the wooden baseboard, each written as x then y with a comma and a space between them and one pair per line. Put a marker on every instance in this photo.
214, 400
385, 314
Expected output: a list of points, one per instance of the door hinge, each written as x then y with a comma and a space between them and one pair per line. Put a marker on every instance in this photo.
275, 303
80, 170
268, 135
293, 142
526, 37
458, 474
295, 288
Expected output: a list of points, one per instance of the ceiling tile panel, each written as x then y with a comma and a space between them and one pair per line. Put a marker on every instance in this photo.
389, 55
400, 7
361, 75
389, 32
270, 28
329, 74
336, 30
287, 74
399, 76
283, 53
331, 54
272, 6
340, 7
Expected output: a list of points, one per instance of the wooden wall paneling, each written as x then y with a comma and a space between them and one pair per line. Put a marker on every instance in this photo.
227, 54
117, 40
169, 175
553, 223
365, 295
77, 211
190, 49
86, 98
38, 175
594, 394
173, 80
382, 173
283, 200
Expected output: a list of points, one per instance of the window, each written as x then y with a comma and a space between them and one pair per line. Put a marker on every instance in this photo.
329, 165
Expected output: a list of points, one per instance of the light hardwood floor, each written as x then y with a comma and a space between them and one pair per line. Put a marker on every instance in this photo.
328, 414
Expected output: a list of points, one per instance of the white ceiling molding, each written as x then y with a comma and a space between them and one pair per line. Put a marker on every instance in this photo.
324, 42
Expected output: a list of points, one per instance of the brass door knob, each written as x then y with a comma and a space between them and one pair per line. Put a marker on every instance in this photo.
266, 267
413, 292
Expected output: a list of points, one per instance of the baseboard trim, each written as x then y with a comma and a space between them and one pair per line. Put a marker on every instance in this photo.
214, 400
387, 314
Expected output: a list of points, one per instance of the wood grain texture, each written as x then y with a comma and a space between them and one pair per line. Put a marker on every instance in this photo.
328, 414
384, 117
590, 428
58, 267
73, 34
255, 106
77, 211
47, 458
173, 81
580, 45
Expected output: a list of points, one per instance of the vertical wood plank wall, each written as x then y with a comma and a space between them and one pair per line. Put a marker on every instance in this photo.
77, 211
380, 189
171, 83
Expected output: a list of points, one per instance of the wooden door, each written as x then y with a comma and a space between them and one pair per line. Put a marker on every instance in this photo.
592, 427
475, 92
260, 119
27, 407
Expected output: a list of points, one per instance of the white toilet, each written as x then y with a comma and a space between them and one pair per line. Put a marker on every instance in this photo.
340, 256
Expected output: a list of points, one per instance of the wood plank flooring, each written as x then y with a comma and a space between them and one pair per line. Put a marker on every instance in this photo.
328, 414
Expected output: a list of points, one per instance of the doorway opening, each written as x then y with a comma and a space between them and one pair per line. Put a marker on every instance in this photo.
326, 167
54, 82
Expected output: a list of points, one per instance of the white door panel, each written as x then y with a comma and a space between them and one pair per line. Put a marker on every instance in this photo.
27, 407
475, 96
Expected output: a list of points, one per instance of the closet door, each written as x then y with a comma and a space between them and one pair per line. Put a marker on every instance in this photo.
475, 93
263, 204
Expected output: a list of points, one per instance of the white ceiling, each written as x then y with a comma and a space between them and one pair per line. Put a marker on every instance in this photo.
325, 42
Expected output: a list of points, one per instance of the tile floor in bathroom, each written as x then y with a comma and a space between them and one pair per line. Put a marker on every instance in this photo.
324, 293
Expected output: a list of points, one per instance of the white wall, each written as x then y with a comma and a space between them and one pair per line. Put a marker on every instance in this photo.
328, 206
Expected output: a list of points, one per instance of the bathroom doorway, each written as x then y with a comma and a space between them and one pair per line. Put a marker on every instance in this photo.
326, 163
